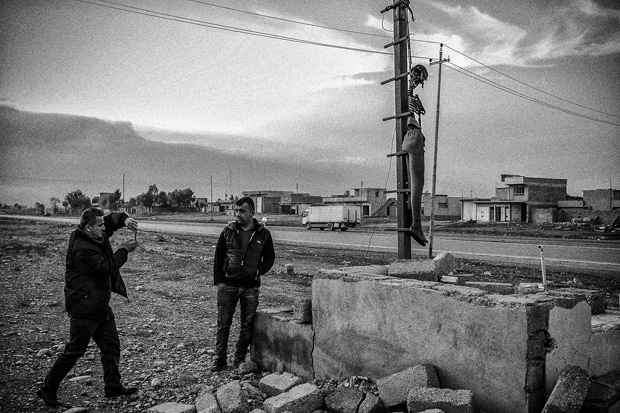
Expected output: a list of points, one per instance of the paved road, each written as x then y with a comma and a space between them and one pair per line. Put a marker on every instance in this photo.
589, 256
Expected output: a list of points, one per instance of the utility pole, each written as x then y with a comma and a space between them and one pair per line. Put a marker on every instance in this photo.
440, 62
211, 197
401, 73
123, 190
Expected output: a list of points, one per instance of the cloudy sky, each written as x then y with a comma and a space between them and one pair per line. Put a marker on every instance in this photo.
531, 87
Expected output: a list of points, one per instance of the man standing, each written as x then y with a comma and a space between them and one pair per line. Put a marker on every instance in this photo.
91, 275
244, 252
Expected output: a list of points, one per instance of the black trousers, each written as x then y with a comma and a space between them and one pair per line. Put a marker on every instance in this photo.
81, 330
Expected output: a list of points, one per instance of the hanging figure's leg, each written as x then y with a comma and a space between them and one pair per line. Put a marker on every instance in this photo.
413, 144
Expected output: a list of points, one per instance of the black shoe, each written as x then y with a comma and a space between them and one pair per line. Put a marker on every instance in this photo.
49, 398
219, 365
120, 391
238, 361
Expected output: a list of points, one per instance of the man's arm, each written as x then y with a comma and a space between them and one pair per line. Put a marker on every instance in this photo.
113, 222
219, 260
269, 257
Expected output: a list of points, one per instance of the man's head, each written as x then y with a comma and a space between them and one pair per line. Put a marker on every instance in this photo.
91, 222
244, 211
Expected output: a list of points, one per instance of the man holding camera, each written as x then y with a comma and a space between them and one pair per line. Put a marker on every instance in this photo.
91, 276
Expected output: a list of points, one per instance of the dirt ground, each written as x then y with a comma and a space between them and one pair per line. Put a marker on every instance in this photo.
168, 326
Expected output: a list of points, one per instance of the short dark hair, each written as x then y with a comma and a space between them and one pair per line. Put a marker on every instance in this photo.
246, 200
89, 216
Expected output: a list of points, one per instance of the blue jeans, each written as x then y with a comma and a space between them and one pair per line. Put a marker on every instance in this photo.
227, 298
81, 330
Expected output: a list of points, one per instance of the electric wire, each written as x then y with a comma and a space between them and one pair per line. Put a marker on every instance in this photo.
166, 16
290, 20
482, 79
530, 86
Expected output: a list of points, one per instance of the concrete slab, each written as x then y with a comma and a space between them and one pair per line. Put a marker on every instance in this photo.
595, 298
206, 402
232, 398
371, 404
394, 389
450, 401
377, 328
424, 269
280, 343
496, 288
276, 383
302, 310
569, 392
304, 398
170, 407
344, 400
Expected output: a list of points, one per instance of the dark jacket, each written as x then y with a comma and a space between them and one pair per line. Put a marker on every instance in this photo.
230, 266
92, 271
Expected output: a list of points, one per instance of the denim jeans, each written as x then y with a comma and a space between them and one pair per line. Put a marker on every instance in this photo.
81, 330
227, 298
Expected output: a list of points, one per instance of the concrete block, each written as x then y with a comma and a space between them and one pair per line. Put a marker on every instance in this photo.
258, 411
304, 398
571, 330
595, 298
433, 411
424, 269
475, 339
450, 401
529, 288
281, 343
366, 269
394, 389
276, 383
371, 404
170, 407
206, 401
302, 310
569, 392
495, 288
232, 398
458, 279
344, 400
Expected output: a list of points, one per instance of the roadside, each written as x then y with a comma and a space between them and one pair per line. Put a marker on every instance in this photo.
168, 326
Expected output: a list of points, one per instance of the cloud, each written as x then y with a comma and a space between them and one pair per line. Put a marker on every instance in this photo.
582, 28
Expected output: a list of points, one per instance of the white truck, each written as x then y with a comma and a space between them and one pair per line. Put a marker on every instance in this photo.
331, 217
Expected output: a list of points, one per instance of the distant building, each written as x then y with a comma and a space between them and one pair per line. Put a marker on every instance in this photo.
447, 208
368, 199
603, 204
518, 199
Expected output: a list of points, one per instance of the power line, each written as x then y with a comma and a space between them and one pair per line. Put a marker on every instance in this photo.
420, 41
482, 79
171, 17
291, 20
530, 86
166, 16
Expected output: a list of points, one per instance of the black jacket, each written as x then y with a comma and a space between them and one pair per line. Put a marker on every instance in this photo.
92, 271
231, 267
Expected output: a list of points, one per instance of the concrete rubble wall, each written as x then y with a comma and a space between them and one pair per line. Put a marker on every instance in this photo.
281, 343
375, 327
578, 342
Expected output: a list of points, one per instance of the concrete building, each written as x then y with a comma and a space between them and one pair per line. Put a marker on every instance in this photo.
602, 205
518, 199
368, 199
447, 208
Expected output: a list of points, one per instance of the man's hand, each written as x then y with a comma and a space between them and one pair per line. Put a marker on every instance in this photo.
131, 224
130, 246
